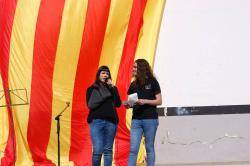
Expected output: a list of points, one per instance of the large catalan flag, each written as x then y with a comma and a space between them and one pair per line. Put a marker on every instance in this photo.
51, 49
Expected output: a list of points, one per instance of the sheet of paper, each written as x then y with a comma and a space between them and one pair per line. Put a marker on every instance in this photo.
132, 99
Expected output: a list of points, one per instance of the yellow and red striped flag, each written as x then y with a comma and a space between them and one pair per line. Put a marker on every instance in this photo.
52, 48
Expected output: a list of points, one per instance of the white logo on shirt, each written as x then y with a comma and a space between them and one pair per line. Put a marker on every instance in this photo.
148, 86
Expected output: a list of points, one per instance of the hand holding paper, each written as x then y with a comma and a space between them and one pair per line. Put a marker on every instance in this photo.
132, 99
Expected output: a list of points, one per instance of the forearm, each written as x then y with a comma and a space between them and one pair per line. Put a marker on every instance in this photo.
117, 100
152, 102
116, 96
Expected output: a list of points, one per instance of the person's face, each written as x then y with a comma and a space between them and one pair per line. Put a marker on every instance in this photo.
134, 70
103, 76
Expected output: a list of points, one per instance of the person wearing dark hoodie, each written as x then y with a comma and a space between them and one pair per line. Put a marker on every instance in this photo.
102, 100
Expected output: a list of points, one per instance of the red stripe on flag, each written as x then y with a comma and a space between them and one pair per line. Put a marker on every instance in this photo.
93, 36
45, 45
124, 78
7, 13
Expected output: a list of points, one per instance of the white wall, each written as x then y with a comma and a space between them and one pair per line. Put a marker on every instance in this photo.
203, 59
203, 54
203, 139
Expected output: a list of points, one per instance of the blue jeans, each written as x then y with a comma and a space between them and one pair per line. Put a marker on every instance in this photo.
148, 128
102, 135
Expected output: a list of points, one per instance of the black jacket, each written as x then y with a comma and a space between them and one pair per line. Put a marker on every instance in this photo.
102, 101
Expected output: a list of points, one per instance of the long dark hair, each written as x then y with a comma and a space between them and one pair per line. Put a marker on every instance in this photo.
97, 79
144, 72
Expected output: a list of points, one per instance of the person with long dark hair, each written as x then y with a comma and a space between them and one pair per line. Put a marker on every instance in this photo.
102, 100
145, 117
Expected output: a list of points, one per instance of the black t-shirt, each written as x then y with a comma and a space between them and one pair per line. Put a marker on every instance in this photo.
148, 91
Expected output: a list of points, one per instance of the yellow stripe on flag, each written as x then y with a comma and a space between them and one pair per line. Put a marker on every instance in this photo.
4, 123
20, 71
149, 33
115, 35
67, 55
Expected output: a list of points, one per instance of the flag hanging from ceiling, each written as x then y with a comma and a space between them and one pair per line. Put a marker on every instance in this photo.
49, 53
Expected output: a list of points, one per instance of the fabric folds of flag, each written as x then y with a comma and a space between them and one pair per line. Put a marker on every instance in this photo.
49, 53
